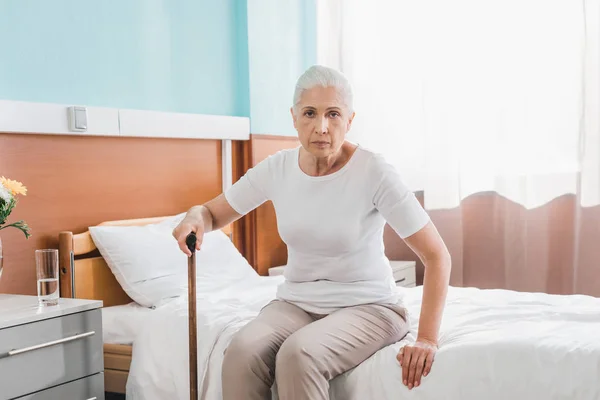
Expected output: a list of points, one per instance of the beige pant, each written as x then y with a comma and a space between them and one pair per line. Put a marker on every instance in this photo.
304, 351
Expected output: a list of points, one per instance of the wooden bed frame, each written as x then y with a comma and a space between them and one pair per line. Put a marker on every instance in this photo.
89, 277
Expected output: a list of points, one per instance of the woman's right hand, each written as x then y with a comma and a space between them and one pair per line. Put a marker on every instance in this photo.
188, 225
205, 218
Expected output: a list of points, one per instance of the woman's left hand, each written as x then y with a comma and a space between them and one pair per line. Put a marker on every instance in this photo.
416, 361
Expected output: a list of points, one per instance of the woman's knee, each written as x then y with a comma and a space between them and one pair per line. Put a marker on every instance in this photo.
298, 354
248, 369
244, 352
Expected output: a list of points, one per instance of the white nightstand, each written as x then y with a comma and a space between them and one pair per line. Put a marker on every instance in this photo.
273, 271
50, 353
405, 273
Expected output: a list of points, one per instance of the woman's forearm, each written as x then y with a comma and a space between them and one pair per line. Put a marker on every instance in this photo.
202, 214
435, 288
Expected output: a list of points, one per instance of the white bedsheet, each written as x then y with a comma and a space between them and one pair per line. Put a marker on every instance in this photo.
494, 344
121, 324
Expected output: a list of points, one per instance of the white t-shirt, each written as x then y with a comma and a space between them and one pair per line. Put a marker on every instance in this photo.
333, 226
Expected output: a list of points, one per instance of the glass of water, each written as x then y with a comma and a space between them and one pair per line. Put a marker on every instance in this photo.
46, 262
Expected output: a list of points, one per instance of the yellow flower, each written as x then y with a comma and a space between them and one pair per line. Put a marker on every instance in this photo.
14, 186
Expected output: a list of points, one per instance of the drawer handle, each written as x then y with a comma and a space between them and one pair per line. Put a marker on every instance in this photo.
401, 280
92, 398
52, 343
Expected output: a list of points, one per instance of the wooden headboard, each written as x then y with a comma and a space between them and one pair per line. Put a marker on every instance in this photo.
75, 182
85, 275
263, 245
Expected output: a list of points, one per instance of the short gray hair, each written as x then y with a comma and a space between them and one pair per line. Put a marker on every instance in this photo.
319, 75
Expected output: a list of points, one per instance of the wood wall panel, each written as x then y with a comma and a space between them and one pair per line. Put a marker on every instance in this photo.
267, 248
76, 181
240, 164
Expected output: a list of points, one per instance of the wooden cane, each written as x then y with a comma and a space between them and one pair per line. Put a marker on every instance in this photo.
190, 241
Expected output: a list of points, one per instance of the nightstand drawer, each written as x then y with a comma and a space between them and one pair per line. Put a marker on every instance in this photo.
50, 352
274, 271
404, 272
90, 388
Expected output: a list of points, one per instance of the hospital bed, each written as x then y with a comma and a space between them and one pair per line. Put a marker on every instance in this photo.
494, 344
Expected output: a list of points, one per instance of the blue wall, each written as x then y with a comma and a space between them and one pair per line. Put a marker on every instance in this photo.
223, 57
185, 55
282, 44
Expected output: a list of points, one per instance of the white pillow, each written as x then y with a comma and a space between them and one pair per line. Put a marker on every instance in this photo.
150, 267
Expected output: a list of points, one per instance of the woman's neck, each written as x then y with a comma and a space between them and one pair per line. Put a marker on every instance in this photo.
320, 166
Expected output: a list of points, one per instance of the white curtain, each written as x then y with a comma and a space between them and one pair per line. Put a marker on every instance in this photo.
471, 96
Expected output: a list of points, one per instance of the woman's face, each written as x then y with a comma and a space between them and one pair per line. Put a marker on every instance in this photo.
322, 121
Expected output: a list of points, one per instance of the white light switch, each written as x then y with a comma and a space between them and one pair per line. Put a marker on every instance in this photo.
78, 119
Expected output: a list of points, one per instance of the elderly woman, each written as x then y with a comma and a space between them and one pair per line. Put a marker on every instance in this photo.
339, 303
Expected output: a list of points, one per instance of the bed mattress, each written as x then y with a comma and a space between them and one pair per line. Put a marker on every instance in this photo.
494, 344
121, 324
